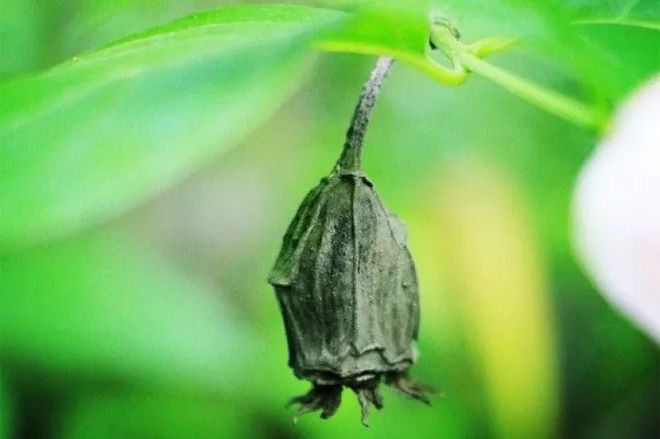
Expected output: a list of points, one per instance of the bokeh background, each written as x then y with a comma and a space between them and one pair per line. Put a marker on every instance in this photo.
160, 323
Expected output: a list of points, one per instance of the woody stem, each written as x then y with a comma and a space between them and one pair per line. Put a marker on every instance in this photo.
350, 157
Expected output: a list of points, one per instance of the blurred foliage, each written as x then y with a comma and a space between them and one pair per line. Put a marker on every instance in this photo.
71, 112
133, 300
492, 258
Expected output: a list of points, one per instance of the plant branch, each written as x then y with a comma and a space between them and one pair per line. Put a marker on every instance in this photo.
549, 100
350, 157
469, 57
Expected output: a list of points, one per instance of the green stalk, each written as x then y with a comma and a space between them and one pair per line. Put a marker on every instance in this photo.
468, 57
551, 101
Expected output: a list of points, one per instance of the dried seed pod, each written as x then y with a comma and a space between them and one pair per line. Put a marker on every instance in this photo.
347, 287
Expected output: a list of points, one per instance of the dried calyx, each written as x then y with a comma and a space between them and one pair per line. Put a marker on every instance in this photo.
347, 286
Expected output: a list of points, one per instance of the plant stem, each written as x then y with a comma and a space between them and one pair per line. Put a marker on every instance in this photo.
350, 157
549, 100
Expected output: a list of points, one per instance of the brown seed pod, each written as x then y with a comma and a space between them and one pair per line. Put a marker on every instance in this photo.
347, 287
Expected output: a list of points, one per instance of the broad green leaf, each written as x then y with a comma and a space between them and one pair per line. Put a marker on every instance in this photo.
96, 135
382, 32
21, 36
102, 21
98, 306
625, 56
624, 40
93, 137
637, 13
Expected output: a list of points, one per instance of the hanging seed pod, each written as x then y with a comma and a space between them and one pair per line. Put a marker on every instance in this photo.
346, 285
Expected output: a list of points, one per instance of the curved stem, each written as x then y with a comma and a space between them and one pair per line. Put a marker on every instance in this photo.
551, 101
491, 45
350, 157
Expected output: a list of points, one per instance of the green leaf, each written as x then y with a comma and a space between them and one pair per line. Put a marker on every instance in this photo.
98, 306
93, 137
97, 135
623, 39
21, 37
623, 55
382, 31
637, 13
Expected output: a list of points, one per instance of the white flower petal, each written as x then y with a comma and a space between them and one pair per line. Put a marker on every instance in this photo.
617, 211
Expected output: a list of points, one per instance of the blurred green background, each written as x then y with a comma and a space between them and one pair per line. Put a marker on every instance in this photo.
159, 322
